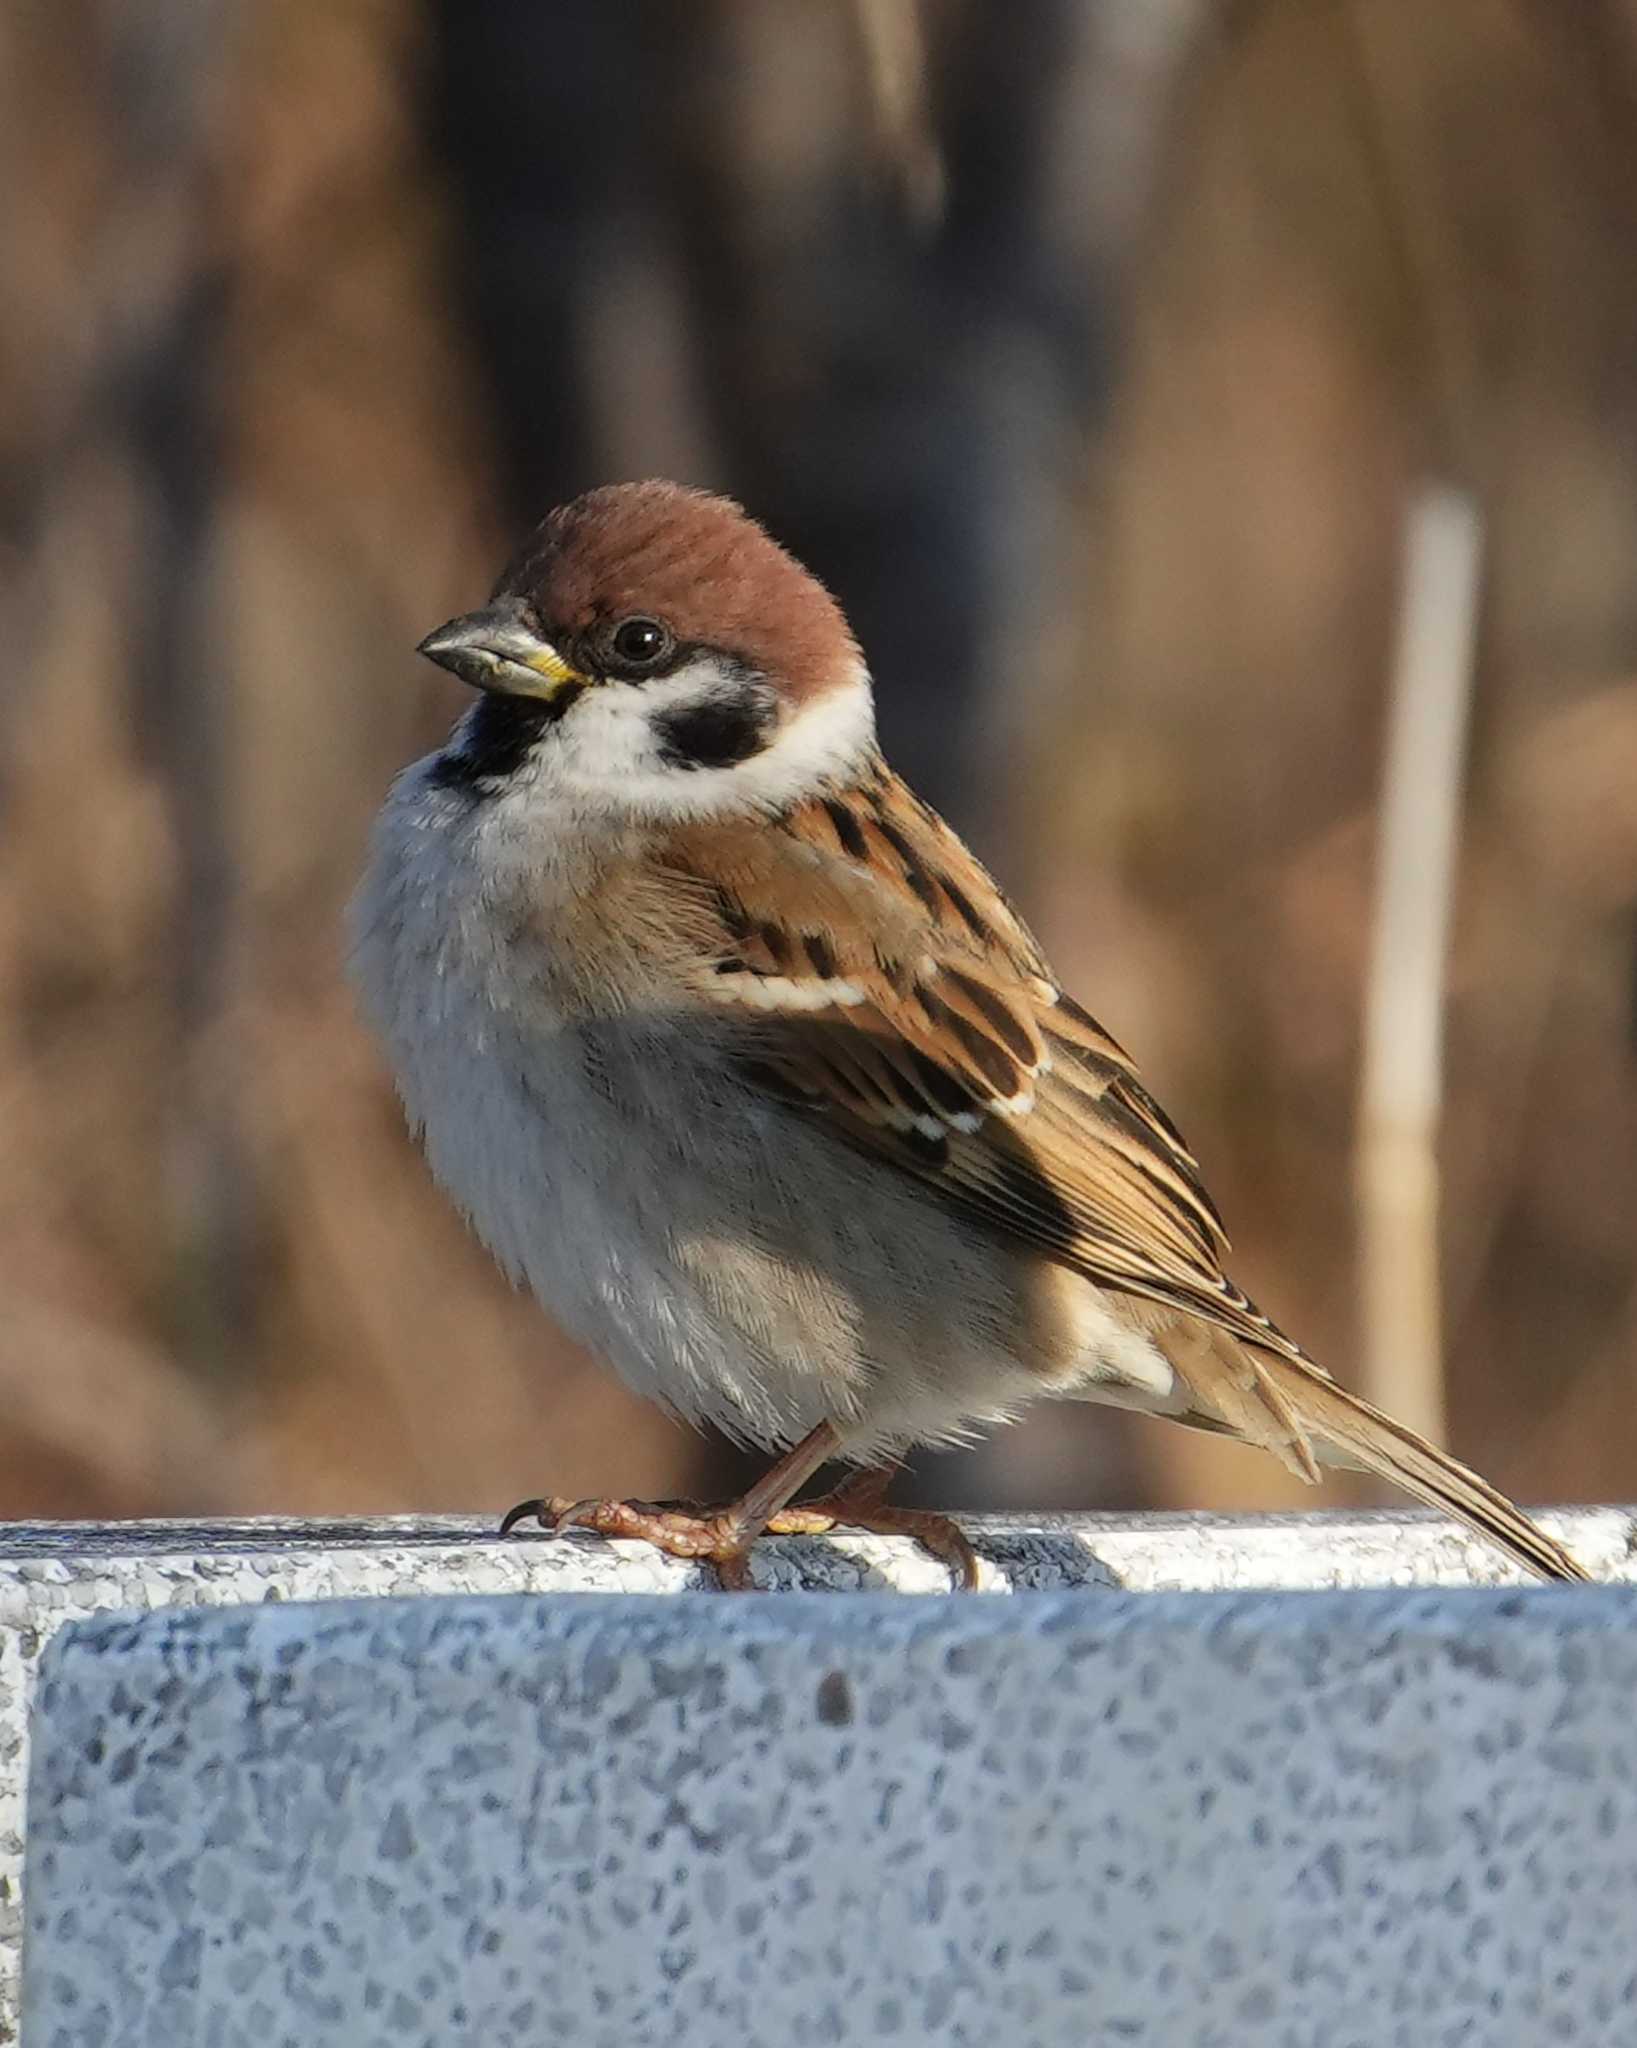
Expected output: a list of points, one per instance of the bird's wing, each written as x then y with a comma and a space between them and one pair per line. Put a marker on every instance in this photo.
888, 989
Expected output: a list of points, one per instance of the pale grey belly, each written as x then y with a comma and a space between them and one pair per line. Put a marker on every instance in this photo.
729, 1258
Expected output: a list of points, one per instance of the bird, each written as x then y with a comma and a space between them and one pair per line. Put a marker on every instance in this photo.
731, 1052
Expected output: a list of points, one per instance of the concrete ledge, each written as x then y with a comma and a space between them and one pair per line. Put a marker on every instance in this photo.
1378, 1820
54, 1573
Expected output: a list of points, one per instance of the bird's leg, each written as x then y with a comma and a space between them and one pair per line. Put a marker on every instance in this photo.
861, 1503
718, 1536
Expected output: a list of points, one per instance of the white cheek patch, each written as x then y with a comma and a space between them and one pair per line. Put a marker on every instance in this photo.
606, 739
621, 747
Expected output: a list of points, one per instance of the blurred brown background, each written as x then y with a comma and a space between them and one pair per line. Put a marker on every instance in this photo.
1092, 352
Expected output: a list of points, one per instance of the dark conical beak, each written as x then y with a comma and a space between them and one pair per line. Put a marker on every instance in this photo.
495, 649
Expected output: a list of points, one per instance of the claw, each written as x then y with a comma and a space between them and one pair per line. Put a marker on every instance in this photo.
707, 1537
522, 1512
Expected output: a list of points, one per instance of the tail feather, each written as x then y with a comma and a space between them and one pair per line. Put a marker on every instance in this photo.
1262, 1389
1364, 1435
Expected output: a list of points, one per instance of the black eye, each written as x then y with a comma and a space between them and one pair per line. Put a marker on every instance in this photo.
640, 643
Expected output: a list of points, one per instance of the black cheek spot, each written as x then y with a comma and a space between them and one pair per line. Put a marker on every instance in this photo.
719, 733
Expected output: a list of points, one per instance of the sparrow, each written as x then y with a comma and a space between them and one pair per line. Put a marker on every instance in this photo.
731, 1052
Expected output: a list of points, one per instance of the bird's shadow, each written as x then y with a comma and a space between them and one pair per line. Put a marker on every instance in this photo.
1018, 1560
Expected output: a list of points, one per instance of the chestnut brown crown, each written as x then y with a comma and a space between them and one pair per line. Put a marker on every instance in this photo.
695, 563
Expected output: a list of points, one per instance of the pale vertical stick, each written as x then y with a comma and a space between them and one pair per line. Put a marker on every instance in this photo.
894, 40
1401, 1083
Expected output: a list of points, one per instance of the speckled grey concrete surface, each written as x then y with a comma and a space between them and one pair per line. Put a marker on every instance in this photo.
1346, 1821
51, 1573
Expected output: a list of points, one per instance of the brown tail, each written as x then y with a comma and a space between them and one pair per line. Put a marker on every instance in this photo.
1363, 1435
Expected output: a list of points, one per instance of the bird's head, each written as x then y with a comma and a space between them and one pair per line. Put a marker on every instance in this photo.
653, 649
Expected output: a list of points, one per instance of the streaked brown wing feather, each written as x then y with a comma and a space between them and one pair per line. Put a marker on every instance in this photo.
885, 985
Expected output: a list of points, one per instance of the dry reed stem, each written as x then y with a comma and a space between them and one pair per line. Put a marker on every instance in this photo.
1401, 1078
